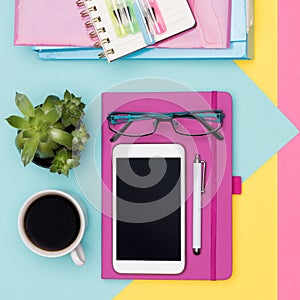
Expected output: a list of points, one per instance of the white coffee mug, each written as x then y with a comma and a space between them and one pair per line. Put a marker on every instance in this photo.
74, 248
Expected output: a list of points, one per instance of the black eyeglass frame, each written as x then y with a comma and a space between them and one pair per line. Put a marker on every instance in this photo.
167, 117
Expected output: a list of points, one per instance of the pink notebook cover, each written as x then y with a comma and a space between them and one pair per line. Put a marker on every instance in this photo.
49, 23
215, 260
59, 23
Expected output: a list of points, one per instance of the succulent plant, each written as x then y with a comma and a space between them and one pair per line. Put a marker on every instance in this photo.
63, 162
72, 109
53, 129
80, 138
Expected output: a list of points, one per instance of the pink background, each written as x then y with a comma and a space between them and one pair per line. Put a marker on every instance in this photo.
289, 160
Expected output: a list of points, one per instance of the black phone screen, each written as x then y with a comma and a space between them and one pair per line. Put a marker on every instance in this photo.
148, 209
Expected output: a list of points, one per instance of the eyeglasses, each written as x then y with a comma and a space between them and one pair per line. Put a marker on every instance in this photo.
188, 123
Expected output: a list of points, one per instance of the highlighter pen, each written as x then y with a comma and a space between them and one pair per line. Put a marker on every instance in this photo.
155, 16
117, 17
133, 26
198, 188
143, 23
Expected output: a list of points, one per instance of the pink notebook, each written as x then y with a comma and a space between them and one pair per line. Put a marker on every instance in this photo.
59, 23
215, 260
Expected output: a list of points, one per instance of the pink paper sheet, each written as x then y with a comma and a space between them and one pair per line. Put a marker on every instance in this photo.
58, 23
49, 23
212, 30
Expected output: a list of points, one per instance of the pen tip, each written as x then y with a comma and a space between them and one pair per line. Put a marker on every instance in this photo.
197, 158
196, 251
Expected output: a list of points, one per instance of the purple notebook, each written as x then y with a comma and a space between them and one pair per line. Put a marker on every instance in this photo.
215, 260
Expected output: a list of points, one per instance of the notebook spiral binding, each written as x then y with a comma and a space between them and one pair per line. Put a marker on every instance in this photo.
89, 14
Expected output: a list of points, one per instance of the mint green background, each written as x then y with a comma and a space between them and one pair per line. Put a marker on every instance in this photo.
25, 275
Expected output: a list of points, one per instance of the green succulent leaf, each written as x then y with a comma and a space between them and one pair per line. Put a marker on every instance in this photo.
20, 140
29, 150
44, 126
34, 123
81, 107
54, 146
60, 162
70, 118
24, 105
61, 137
44, 137
67, 95
18, 122
72, 109
73, 162
39, 115
53, 115
27, 134
45, 150
51, 102
80, 138
58, 125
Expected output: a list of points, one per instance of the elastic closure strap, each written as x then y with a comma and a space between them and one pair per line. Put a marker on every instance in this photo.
236, 185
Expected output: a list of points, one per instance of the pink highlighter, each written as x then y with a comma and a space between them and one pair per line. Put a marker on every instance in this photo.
155, 16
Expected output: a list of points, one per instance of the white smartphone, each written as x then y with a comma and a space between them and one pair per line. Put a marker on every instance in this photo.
148, 208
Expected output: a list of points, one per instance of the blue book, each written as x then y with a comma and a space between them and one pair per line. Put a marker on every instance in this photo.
241, 43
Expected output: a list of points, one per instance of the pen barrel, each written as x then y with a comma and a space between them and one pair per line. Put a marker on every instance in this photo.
156, 16
197, 203
117, 17
142, 21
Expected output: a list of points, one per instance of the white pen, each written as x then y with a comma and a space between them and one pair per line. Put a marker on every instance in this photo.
198, 189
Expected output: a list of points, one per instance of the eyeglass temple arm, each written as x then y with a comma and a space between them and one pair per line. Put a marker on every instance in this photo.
216, 133
118, 134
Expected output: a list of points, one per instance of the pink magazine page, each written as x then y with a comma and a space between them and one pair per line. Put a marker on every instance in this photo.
49, 23
212, 30
215, 260
59, 23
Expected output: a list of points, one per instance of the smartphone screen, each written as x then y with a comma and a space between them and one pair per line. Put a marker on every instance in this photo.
148, 225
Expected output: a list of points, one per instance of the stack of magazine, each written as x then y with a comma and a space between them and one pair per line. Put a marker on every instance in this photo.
199, 29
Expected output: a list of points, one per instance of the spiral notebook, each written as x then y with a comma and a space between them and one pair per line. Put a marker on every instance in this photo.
125, 26
215, 260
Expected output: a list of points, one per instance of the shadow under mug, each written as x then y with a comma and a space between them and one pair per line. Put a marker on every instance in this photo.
74, 248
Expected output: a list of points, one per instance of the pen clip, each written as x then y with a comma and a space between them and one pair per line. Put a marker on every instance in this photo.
203, 163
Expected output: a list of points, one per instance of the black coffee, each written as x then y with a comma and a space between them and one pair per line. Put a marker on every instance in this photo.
52, 223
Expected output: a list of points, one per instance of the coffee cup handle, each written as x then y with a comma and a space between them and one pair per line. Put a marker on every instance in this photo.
78, 256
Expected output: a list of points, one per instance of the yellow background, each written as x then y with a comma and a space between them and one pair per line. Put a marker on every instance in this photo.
254, 212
